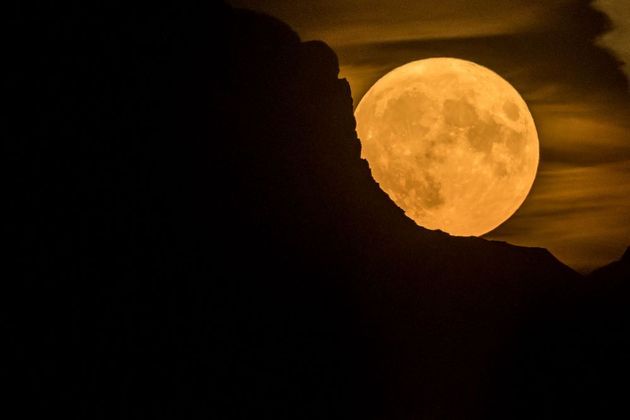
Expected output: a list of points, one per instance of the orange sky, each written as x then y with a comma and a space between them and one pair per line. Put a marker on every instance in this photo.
564, 57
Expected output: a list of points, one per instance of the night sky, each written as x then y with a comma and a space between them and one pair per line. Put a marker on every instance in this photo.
193, 234
565, 57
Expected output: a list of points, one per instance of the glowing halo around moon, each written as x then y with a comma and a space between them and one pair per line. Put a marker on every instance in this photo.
451, 142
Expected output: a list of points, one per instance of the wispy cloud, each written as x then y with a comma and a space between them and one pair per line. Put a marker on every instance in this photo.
579, 213
348, 22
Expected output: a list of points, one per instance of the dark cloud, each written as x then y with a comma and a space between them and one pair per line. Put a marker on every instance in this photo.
618, 39
564, 57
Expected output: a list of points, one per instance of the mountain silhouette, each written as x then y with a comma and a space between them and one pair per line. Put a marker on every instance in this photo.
572, 363
616, 271
198, 236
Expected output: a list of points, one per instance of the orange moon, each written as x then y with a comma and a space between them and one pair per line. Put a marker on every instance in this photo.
451, 142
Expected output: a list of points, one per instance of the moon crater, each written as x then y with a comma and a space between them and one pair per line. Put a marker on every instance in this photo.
451, 142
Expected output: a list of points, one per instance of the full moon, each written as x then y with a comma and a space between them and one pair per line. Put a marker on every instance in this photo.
451, 142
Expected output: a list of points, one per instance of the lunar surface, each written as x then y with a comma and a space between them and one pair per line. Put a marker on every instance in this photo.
451, 142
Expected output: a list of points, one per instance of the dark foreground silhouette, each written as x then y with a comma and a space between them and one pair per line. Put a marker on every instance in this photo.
197, 237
